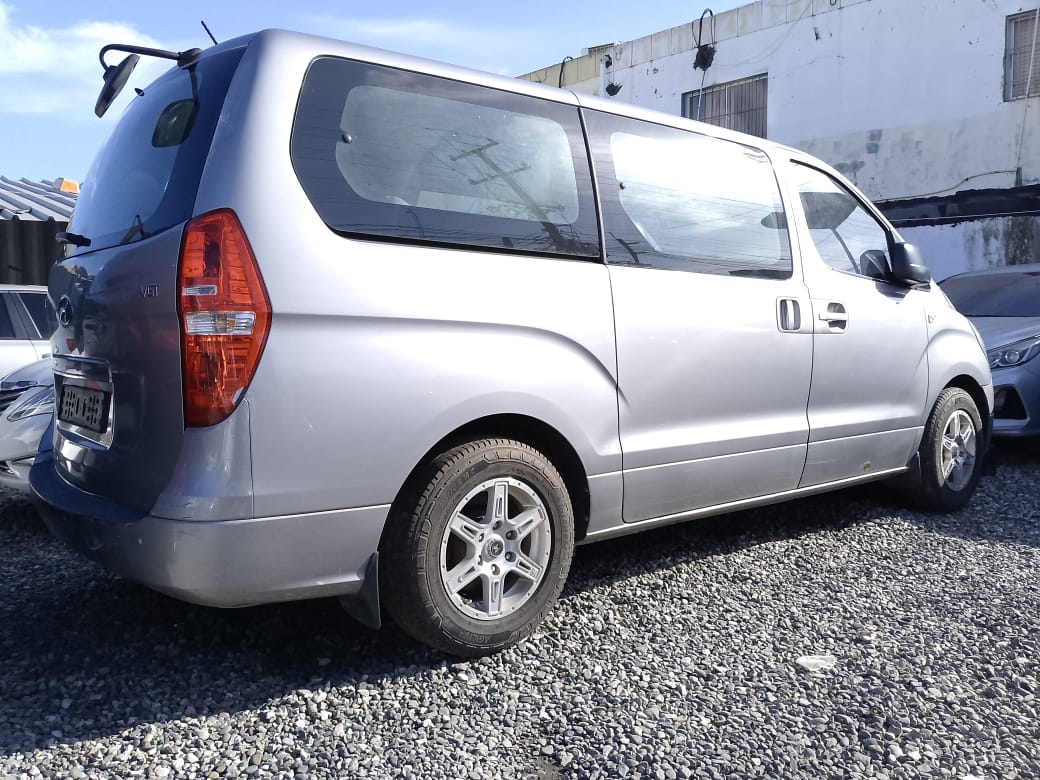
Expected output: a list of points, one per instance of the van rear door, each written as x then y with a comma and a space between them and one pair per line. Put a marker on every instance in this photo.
117, 349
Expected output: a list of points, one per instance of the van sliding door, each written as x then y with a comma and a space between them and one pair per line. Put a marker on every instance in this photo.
714, 331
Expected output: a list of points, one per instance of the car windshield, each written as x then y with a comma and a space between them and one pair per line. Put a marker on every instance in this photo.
995, 295
146, 176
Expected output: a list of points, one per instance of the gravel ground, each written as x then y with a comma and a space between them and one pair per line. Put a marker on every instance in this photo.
677, 653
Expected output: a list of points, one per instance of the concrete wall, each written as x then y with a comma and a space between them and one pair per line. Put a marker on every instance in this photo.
905, 98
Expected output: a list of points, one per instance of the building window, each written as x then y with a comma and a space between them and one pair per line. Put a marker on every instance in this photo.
1022, 57
737, 105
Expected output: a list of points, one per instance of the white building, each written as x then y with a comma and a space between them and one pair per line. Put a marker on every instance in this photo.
932, 107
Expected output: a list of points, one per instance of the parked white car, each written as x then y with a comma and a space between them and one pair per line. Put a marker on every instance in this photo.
27, 321
26, 408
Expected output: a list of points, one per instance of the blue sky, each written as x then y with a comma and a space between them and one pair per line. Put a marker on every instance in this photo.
50, 74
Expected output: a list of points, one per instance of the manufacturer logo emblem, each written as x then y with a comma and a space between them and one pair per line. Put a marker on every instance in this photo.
65, 311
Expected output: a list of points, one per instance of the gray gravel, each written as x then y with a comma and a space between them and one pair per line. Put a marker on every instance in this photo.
678, 653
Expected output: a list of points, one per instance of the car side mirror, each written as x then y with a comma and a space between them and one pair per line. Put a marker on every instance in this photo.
907, 265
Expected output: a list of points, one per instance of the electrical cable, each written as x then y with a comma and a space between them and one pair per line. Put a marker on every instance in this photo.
792, 24
560, 84
965, 180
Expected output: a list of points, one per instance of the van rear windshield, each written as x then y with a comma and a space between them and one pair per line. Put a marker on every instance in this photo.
146, 175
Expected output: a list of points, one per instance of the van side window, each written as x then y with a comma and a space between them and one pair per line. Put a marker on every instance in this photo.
684, 201
846, 236
386, 152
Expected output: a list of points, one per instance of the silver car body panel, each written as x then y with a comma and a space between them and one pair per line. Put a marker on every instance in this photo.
19, 442
21, 429
39, 372
520, 335
712, 391
680, 394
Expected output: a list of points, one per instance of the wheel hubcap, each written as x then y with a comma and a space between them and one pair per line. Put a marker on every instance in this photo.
958, 450
496, 549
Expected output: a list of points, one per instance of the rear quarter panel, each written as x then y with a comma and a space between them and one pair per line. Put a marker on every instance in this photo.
378, 350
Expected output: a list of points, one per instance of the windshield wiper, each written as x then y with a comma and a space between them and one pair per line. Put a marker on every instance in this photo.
72, 238
136, 227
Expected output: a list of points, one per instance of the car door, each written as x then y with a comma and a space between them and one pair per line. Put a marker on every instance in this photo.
870, 367
39, 318
17, 347
713, 331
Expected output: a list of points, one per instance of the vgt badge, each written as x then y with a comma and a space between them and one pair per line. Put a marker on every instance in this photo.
65, 311
149, 291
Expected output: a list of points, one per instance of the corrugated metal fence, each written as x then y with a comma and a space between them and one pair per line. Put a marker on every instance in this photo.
31, 213
27, 250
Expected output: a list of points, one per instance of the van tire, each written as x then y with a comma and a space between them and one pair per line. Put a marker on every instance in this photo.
478, 551
951, 453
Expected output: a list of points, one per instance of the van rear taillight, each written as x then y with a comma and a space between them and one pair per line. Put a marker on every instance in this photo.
225, 316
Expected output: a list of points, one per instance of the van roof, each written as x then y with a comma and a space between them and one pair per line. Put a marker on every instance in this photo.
316, 46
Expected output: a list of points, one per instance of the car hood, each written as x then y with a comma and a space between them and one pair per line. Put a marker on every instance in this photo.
1001, 331
21, 438
39, 373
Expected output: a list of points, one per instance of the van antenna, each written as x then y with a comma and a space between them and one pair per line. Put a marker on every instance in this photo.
204, 27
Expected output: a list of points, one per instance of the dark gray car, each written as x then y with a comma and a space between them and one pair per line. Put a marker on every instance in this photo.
340, 322
1004, 305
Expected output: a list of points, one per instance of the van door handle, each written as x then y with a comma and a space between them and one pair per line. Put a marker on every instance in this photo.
835, 315
789, 314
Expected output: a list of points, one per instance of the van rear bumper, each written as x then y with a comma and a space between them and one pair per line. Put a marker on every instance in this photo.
227, 563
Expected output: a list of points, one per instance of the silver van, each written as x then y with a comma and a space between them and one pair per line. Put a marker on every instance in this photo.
340, 322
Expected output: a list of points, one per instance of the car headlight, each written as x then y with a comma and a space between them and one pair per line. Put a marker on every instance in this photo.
31, 404
1014, 354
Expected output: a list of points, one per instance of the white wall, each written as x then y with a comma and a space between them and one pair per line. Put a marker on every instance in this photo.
903, 96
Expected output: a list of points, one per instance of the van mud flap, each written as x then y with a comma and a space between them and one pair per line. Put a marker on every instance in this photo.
364, 607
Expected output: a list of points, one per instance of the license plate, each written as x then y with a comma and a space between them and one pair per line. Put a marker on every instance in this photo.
85, 407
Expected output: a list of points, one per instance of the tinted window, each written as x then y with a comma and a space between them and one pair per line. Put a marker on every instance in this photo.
6, 326
385, 152
995, 295
680, 200
846, 236
146, 176
41, 311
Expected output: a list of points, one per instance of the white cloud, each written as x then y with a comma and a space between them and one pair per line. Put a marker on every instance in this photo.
56, 70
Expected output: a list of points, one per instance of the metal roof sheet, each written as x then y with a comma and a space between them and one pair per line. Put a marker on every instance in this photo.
36, 200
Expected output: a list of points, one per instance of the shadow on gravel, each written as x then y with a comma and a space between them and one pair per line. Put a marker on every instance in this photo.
1005, 508
86, 655
705, 538
993, 515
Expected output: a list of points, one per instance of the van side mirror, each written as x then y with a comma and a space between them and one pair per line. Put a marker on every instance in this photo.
115, 77
907, 265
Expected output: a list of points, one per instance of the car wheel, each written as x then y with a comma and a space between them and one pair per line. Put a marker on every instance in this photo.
951, 452
478, 553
